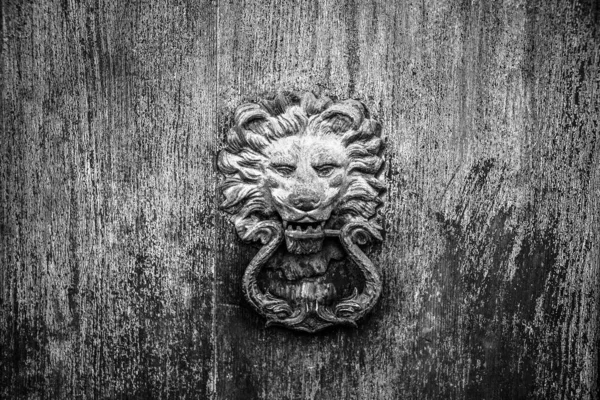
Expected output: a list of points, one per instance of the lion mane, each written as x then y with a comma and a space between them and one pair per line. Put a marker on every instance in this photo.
258, 124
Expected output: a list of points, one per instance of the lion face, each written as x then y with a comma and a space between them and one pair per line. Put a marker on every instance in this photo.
310, 163
305, 177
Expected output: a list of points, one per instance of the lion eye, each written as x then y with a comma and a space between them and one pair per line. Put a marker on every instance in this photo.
284, 170
324, 170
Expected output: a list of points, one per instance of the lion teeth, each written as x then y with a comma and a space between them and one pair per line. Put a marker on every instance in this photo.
301, 227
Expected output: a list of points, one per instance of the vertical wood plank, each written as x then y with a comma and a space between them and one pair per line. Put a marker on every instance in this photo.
107, 188
490, 260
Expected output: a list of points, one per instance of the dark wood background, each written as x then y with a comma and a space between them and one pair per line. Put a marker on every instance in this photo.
120, 278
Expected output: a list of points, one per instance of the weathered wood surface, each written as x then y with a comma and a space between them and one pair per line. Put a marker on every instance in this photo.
121, 279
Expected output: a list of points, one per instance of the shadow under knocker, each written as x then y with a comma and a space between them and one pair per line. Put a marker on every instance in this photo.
305, 171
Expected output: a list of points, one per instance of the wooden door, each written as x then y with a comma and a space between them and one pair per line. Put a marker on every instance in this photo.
120, 277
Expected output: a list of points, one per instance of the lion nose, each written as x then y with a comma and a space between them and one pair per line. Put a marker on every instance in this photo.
304, 202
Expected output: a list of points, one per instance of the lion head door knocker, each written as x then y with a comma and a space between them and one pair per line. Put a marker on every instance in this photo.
302, 178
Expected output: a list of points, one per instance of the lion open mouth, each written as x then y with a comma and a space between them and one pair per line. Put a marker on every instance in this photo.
304, 237
303, 230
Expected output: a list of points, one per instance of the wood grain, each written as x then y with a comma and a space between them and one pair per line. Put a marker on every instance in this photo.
120, 278
108, 115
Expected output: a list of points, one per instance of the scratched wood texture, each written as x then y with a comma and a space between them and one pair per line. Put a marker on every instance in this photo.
120, 278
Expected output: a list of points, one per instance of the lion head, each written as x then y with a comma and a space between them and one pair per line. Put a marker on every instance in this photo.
306, 161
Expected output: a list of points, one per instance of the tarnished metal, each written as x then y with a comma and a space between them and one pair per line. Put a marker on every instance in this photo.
304, 171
